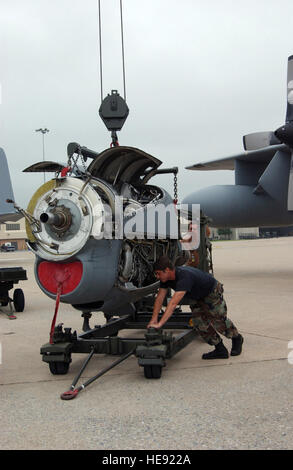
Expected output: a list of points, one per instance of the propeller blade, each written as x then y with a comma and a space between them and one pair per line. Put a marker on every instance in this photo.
259, 140
289, 114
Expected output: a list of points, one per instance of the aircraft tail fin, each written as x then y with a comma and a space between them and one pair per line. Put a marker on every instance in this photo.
7, 211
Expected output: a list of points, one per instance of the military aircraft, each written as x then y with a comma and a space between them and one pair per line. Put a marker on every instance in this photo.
263, 191
7, 210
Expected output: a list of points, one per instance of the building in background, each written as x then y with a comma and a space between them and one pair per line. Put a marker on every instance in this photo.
269, 232
14, 233
245, 233
234, 233
250, 233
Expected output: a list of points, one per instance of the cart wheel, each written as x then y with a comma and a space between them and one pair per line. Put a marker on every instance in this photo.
18, 300
148, 372
58, 368
152, 372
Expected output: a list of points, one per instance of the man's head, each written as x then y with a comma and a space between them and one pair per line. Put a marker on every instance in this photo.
164, 269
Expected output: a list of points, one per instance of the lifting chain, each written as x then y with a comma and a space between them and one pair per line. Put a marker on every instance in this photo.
72, 163
175, 189
83, 162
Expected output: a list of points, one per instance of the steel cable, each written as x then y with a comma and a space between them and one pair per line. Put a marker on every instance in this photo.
122, 48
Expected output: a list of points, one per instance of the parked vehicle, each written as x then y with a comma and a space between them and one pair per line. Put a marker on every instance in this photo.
7, 247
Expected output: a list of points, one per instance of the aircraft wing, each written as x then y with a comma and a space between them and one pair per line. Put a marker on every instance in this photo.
263, 155
7, 211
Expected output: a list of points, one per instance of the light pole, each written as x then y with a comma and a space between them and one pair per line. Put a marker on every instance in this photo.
43, 131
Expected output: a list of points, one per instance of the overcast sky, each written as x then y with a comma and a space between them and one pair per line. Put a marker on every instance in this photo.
200, 74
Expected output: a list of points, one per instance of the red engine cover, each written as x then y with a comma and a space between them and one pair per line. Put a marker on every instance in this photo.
51, 275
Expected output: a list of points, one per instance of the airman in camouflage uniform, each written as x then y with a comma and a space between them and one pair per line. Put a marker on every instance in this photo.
209, 316
209, 310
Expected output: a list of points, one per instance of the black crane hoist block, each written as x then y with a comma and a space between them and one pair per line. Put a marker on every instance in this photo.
114, 111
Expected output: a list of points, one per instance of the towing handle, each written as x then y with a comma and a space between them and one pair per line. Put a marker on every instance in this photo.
70, 394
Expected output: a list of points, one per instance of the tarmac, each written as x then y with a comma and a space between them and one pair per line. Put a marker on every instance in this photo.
243, 402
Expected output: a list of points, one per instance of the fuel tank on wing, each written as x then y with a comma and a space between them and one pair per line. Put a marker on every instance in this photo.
259, 197
239, 206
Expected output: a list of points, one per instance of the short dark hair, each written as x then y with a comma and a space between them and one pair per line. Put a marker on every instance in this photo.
162, 263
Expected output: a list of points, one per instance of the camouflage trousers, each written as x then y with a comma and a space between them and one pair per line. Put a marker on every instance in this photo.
209, 316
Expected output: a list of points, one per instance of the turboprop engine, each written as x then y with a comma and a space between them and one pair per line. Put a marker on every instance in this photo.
96, 231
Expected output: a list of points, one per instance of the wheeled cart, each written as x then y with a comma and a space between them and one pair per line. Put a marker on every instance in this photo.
9, 277
151, 350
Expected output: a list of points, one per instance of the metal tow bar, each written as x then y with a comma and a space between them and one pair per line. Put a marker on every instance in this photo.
73, 392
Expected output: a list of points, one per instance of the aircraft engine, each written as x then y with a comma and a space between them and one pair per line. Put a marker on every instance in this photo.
80, 228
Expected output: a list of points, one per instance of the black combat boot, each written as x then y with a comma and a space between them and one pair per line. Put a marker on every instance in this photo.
237, 345
220, 352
